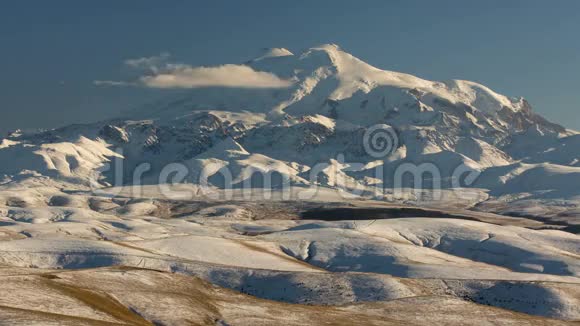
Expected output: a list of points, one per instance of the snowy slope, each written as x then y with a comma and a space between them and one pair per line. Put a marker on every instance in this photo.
272, 250
247, 206
136, 296
313, 133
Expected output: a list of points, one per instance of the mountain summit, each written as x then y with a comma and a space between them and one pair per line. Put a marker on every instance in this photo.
331, 82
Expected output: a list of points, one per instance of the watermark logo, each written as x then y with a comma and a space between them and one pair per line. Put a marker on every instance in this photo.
380, 141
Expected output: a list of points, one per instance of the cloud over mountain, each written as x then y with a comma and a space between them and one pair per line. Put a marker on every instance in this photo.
160, 74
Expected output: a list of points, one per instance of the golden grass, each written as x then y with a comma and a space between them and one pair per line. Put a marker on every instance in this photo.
102, 302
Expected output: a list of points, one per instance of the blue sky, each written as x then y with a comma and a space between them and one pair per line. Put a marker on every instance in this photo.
52, 51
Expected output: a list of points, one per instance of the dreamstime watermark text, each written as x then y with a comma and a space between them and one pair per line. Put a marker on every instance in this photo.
388, 177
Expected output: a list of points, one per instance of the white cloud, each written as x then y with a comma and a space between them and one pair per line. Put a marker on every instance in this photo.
151, 63
112, 83
223, 76
161, 74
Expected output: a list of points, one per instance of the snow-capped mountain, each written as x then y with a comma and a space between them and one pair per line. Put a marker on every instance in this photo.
333, 100
407, 175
